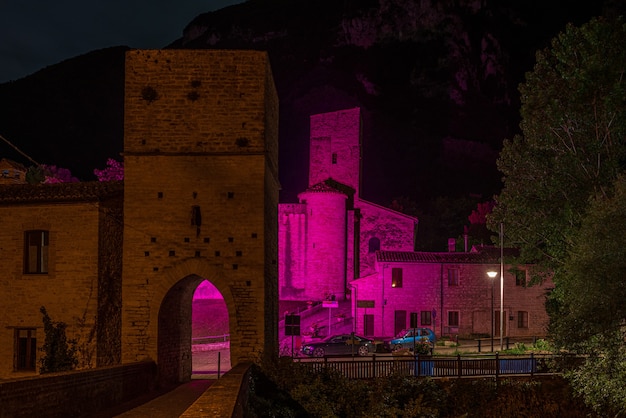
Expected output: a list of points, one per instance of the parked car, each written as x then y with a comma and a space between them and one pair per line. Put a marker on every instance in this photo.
343, 344
422, 338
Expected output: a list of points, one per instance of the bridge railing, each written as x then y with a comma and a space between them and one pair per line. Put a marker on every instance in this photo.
459, 366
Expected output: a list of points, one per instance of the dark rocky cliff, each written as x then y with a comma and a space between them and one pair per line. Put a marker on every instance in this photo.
436, 81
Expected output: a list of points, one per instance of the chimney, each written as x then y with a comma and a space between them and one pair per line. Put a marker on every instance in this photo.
451, 245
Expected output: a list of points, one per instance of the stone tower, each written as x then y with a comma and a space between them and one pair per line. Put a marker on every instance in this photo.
329, 238
335, 149
200, 203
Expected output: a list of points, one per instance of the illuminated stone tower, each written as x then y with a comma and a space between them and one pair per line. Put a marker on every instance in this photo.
335, 149
200, 203
328, 239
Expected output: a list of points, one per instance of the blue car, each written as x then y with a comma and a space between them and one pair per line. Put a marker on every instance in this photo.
421, 338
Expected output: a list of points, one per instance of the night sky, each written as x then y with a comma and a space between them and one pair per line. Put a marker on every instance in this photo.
37, 33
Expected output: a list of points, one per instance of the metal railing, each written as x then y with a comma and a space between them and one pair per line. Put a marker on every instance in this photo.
381, 366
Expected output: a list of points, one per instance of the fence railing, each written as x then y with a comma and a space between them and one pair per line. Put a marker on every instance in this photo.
381, 366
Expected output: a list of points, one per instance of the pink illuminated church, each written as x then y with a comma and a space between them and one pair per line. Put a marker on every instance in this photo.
329, 238
333, 245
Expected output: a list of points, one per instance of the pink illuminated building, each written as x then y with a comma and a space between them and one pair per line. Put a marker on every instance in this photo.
449, 292
329, 238
335, 245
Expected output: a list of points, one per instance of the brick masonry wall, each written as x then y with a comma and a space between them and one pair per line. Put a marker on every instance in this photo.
200, 135
69, 290
425, 288
77, 393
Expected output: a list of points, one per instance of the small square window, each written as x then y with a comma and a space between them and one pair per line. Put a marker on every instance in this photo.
26, 347
522, 319
453, 318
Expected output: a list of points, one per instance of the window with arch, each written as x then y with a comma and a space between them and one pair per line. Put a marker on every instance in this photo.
373, 245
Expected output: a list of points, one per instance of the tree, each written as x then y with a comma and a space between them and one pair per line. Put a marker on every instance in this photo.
563, 201
113, 171
49, 174
590, 302
572, 143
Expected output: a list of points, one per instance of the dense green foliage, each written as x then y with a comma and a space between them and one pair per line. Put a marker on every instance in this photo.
573, 144
590, 301
563, 203
59, 352
286, 389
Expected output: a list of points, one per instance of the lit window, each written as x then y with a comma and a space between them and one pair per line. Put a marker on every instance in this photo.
396, 277
522, 319
26, 346
453, 318
426, 317
35, 252
453, 277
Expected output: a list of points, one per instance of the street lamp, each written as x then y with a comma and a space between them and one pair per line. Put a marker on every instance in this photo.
492, 275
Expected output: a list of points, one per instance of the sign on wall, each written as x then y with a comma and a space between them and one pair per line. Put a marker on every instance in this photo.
364, 303
292, 325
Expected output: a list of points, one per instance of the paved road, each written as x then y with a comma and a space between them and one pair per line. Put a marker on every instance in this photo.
165, 404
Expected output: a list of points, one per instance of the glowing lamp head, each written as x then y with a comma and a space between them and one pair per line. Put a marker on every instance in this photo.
492, 274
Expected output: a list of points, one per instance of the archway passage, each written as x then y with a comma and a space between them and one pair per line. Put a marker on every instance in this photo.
210, 334
175, 335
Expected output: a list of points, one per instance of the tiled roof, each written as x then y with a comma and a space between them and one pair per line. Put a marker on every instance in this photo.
60, 192
5, 162
323, 188
482, 255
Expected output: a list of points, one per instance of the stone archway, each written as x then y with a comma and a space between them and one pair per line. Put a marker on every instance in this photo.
210, 344
174, 332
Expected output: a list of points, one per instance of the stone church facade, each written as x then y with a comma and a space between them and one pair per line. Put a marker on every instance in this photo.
118, 262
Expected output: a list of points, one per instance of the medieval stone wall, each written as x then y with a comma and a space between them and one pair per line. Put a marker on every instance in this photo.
201, 190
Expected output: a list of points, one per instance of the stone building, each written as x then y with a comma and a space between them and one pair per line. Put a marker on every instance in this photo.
11, 172
119, 262
329, 238
449, 292
333, 244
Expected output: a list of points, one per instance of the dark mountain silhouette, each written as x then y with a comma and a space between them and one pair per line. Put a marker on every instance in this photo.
437, 83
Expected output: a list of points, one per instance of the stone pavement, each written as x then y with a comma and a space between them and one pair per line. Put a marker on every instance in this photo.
164, 404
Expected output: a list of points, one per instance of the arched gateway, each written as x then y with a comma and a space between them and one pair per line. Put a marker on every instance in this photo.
200, 201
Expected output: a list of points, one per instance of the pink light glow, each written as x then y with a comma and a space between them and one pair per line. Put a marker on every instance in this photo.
209, 312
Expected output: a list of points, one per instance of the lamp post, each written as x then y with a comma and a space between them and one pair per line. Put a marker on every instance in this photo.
492, 275
501, 283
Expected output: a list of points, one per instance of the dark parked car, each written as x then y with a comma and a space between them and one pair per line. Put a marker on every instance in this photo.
344, 344
423, 339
